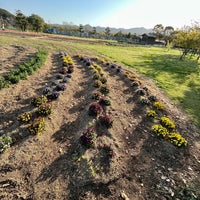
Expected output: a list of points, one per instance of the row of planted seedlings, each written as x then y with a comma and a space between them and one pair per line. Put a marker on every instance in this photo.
98, 109
42, 103
24, 70
163, 126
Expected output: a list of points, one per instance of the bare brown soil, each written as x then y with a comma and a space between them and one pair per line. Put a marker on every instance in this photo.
55, 165
12, 56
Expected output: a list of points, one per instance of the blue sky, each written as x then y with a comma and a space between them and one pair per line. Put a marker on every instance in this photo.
112, 13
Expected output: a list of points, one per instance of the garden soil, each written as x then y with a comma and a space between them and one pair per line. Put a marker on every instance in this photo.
56, 166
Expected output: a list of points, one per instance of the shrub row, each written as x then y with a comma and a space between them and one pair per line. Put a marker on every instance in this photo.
24, 70
150, 101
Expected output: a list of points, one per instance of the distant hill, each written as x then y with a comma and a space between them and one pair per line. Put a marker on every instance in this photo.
137, 30
7, 18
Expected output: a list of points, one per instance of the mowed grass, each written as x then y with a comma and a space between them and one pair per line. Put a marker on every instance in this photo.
179, 79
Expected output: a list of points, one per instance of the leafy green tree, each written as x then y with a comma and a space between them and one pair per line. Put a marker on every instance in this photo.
36, 22
168, 34
21, 20
107, 32
188, 41
94, 31
158, 31
81, 29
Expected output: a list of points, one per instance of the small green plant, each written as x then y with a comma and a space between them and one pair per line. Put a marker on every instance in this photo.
96, 76
88, 137
37, 126
106, 120
103, 79
159, 130
151, 113
97, 83
165, 121
5, 143
39, 100
104, 89
45, 109
176, 139
157, 105
96, 95
25, 117
104, 101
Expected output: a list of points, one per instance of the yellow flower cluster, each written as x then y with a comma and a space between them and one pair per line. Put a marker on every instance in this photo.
39, 100
45, 109
177, 139
68, 60
37, 126
151, 113
24, 117
159, 130
173, 137
165, 121
158, 105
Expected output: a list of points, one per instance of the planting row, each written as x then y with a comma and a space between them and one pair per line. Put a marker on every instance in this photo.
42, 103
24, 70
97, 109
164, 127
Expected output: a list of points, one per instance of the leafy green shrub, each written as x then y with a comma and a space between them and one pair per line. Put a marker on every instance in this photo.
176, 139
3, 83
5, 143
106, 120
103, 79
15, 75
104, 101
151, 113
45, 109
88, 137
97, 83
96, 95
104, 89
165, 121
95, 109
157, 105
159, 130
96, 76
13, 78
37, 126
25, 117
39, 100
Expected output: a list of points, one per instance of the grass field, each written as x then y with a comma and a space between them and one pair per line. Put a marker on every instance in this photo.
179, 79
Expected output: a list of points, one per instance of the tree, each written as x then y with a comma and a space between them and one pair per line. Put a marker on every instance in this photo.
81, 30
158, 31
21, 20
94, 31
168, 34
36, 22
107, 32
188, 41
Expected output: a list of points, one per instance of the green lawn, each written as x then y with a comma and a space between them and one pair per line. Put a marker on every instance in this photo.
179, 79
